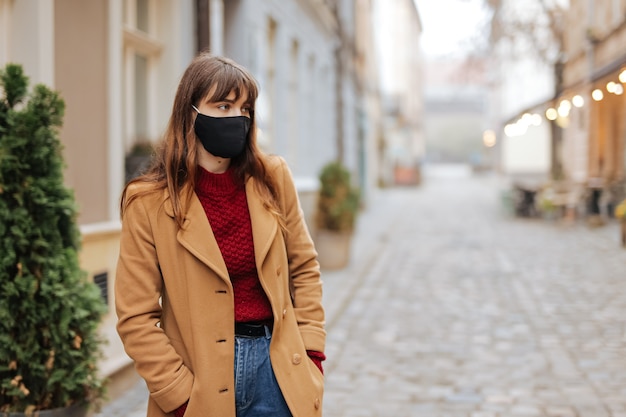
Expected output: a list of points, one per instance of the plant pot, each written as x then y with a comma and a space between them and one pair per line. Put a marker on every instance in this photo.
333, 248
135, 165
76, 410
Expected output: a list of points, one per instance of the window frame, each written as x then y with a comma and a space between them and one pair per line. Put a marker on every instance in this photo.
145, 44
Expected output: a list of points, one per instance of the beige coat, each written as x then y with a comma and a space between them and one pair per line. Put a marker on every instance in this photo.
174, 302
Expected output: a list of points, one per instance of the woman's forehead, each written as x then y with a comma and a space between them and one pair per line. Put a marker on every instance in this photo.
217, 93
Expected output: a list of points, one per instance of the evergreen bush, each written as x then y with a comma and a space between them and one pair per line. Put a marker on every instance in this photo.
49, 311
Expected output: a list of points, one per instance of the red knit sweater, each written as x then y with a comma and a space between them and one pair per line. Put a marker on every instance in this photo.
226, 207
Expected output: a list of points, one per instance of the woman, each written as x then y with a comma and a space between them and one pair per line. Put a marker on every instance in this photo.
218, 289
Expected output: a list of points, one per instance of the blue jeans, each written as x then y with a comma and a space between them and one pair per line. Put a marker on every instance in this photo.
257, 393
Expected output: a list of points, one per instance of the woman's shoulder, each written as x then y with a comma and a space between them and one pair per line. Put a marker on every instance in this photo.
275, 164
147, 192
140, 187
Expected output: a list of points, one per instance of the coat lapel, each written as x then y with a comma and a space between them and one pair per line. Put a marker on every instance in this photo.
264, 225
197, 237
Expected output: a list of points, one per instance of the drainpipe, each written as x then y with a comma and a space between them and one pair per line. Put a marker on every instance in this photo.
203, 38
589, 52
216, 10
339, 83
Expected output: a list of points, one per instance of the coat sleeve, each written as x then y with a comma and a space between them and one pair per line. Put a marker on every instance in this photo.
138, 287
303, 265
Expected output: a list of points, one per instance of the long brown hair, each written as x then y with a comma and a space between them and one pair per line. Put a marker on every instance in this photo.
175, 164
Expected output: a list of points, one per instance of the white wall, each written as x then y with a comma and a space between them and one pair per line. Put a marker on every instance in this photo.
298, 121
528, 153
27, 38
524, 80
176, 31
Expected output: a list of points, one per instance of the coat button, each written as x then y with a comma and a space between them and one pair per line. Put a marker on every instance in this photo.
317, 404
284, 313
296, 359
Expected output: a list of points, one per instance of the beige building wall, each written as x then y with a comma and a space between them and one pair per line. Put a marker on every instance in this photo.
81, 77
593, 145
62, 44
81, 48
80, 45
575, 145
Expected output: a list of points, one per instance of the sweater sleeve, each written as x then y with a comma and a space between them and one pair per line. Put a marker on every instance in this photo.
317, 358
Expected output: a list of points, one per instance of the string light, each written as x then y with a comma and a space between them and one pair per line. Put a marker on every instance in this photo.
564, 108
561, 112
513, 129
610, 86
578, 101
489, 138
535, 120
551, 114
597, 94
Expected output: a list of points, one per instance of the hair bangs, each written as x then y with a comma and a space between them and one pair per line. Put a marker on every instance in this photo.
231, 79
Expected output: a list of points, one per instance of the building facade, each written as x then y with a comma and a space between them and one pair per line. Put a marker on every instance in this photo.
397, 40
587, 110
117, 64
524, 81
595, 76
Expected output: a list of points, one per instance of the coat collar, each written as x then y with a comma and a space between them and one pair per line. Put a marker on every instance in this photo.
197, 236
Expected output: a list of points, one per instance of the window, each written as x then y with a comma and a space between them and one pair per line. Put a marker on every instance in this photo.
141, 55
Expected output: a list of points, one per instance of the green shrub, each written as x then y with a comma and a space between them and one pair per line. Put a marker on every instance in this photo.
338, 201
49, 311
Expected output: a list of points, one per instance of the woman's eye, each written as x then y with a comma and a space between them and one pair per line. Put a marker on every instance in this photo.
223, 107
246, 110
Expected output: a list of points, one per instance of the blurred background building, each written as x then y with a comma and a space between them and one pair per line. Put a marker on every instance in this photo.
592, 152
398, 31
456, 110
562, 88
523, 78
117, 64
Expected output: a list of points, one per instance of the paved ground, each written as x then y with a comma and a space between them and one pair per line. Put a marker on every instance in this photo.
450, 308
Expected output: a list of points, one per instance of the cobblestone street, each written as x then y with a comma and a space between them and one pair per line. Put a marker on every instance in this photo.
452, 308
461, 310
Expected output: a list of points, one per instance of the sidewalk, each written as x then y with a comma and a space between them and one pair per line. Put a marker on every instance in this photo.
467, 311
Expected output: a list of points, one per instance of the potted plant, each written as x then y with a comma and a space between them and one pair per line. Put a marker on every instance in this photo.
49, 311
138, 159
337, 208
620, 214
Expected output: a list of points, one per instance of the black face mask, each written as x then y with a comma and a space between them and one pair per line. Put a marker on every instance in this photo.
225, 137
